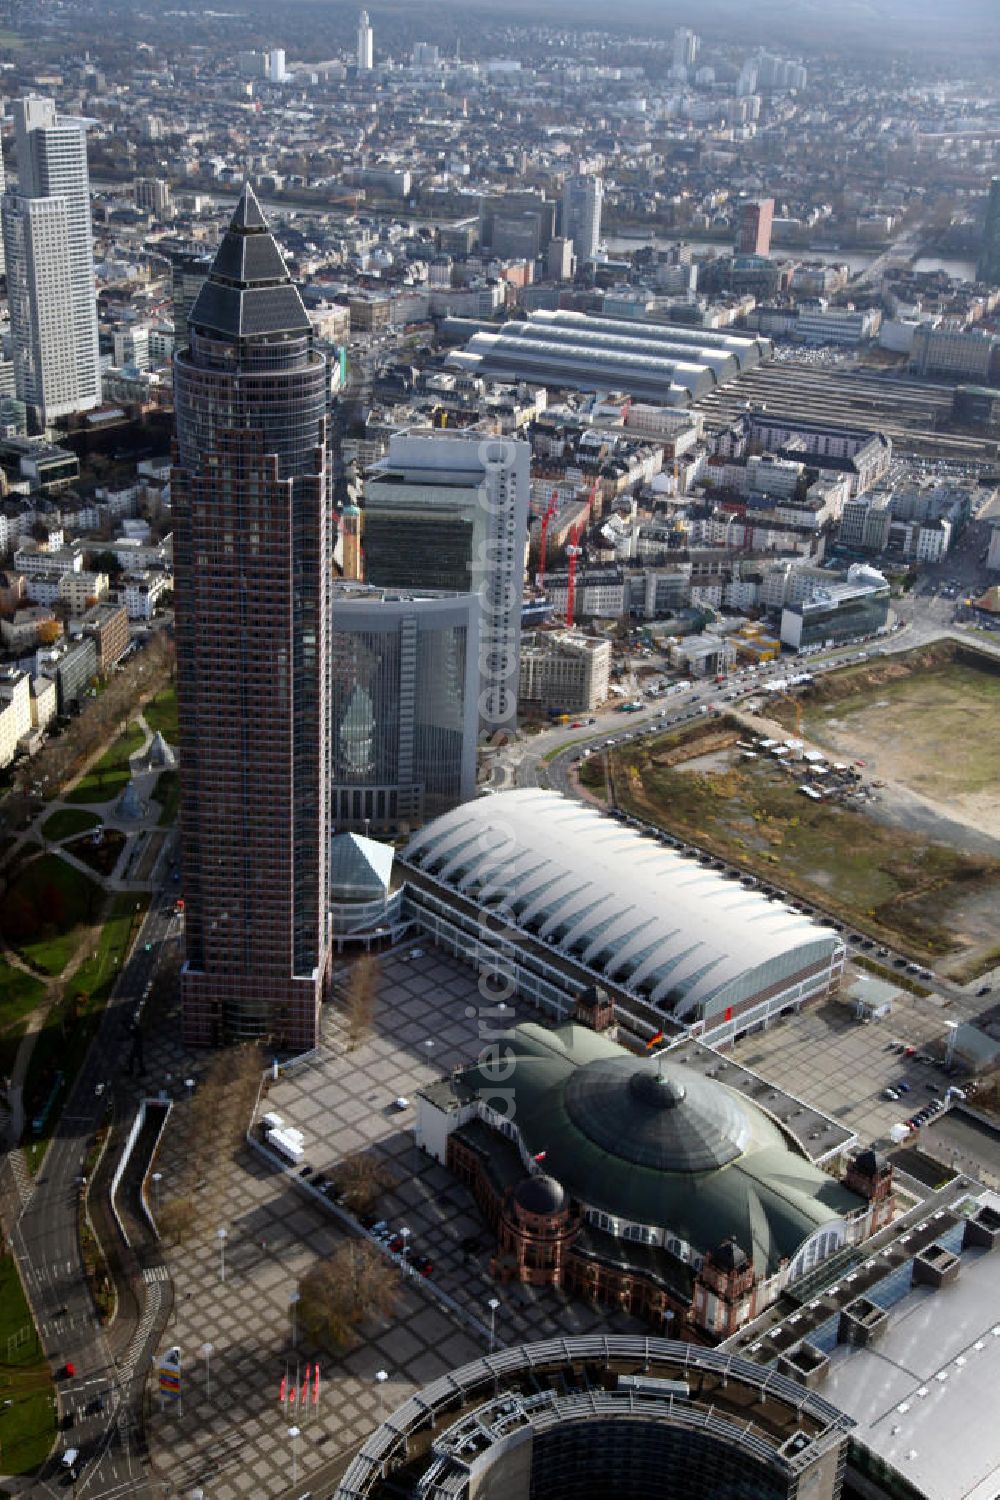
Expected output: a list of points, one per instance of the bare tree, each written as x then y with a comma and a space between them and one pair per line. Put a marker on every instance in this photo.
360, 1000
176, 1220
165, 987
217, 1121
351, 1286
363, 1178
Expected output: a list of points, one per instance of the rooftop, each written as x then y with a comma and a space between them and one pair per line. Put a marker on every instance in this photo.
248, 293
659, 924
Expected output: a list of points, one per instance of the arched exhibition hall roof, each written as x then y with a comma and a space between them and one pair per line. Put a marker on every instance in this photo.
655, 1142
638, 913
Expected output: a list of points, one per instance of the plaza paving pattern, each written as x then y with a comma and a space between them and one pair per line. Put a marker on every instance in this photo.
232, 1436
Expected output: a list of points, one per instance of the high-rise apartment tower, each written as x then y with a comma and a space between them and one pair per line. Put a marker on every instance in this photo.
49, 249
687, 45
366, 44
582, 198
252, 555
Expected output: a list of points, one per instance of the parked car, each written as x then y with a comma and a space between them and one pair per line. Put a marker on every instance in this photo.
422, 1264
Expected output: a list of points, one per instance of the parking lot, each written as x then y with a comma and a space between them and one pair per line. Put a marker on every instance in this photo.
829, 1058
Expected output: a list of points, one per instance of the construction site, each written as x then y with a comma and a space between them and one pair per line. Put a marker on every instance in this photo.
783, 809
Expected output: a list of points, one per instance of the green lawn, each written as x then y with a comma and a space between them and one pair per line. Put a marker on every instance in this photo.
167, 792
28, 1425
19, 994
104, 963
69, 820
160, 713
72, 1025
46, 903
109, 776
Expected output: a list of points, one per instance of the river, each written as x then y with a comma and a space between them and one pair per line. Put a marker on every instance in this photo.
856, 260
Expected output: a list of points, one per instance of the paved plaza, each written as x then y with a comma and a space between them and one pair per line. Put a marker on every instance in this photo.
231, 1436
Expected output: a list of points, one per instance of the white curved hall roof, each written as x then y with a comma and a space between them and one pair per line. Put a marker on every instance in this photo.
638, 913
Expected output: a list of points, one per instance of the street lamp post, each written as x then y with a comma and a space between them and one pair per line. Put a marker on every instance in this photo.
293, 1433
381, 1376
293, 1303
493, 1304
221, 1236
405, 1234
157, 1179
207, 1351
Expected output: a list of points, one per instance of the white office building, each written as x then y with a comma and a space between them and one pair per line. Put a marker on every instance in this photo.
581, 214
687, 45
49, 250
276, 65
366, 44
449, 510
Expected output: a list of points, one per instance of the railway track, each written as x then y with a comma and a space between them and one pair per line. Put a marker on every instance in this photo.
912, 414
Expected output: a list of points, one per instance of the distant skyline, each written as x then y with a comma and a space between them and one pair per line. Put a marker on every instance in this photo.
965, 35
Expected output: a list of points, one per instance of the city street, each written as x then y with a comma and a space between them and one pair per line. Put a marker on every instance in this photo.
99, 1402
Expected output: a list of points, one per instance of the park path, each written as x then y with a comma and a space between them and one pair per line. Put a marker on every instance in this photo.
12, 1118
54, 987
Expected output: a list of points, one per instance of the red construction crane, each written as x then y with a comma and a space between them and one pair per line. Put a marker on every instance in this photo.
572, 553
553, 506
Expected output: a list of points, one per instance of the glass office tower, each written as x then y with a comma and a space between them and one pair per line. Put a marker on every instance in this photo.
404, 675
252, 539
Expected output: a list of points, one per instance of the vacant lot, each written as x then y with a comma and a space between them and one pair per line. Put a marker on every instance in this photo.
924, 896
927, 724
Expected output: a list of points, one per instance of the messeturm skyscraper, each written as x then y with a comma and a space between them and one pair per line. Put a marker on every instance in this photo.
252, 549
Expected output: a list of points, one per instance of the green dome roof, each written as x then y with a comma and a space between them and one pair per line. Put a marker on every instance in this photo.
656, 1116
683, 1152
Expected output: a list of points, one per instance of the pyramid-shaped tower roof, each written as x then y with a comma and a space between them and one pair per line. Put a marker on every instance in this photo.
248, 294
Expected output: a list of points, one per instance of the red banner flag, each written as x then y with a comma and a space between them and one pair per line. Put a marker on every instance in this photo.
316, 1386
654, 1040
729, 1013
283, 1388
304, 1393
541, 1156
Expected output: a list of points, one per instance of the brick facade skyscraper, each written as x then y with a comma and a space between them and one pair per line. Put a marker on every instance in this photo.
253, 537
753, 227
